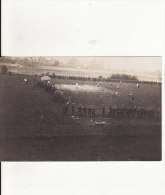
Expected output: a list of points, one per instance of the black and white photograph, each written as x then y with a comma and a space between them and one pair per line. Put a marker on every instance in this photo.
82, 97
80, 108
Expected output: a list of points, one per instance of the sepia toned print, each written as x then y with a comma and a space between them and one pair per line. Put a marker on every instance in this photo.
80, 108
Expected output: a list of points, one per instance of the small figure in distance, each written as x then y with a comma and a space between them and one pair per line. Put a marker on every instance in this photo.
103, 111
73, 109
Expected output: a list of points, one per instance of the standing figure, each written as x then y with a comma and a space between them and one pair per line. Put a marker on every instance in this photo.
103, 111
134, 112
80, 110
93, 111
64, 109
110, 111
89, 111
138, 112
73, 109
158, 113
115, 110
84, 111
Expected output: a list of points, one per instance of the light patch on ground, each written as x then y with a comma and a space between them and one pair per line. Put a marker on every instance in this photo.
83, 88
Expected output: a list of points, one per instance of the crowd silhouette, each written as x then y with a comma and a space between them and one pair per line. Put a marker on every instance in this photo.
91, 111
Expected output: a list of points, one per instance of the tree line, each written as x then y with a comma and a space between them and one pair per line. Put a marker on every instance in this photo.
113, 78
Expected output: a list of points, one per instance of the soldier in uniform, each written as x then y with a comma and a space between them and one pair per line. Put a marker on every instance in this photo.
152, 113
149, 112
84, 111
65, 109
129, 111
142, 112
53, 89
126, 111
158, 113
103, 111
80, 110
46, 86
115, 110
138, 112
133, 99
110, 111
73, 109
146, 113
122, 110
93, 111
135, 112
89, 111
118, 110
50, 86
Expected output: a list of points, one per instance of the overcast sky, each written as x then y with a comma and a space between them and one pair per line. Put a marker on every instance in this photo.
146, 64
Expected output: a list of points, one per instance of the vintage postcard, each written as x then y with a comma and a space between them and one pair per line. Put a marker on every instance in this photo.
82, 88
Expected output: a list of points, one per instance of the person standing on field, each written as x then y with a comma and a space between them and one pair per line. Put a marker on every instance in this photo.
89, 111
80, 110
93, 111
84, 111
103, 111
73, 109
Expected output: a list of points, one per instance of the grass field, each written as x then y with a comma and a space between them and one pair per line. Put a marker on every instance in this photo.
89, 93
32, 128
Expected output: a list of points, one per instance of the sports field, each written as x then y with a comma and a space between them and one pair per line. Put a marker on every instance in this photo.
32, 126
109, 93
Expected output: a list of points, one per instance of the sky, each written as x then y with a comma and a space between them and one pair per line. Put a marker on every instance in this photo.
139, 64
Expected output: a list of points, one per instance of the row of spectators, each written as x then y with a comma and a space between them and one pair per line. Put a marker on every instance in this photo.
58, 95
115, 111
133, 112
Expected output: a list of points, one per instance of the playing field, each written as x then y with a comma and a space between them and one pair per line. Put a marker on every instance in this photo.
108, 93
32, 126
